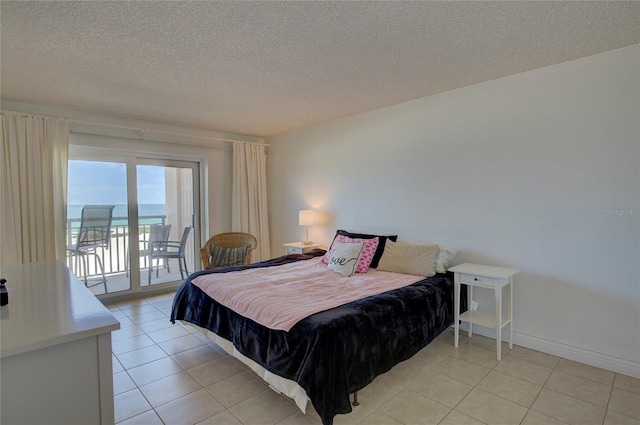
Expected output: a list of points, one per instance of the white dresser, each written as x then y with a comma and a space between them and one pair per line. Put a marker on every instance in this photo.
55, 347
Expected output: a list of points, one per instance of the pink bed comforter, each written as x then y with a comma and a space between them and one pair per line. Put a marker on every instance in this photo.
279, 297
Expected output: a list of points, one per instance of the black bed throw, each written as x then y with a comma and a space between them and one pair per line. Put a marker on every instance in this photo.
335, 352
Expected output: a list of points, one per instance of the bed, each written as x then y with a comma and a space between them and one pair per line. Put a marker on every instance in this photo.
331, 354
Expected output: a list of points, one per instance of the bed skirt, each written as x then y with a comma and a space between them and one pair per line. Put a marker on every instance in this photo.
277, 383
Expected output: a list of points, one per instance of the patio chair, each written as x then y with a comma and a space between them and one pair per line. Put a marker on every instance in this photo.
94, 234
165, 250
157, 232
227, 249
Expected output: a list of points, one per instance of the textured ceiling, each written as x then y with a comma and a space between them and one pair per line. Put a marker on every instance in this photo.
264, 68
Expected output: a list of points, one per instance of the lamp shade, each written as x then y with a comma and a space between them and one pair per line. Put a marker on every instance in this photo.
306, 218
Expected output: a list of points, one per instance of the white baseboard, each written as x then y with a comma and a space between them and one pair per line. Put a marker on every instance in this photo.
578, 354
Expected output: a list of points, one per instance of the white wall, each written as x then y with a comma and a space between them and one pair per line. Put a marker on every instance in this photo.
529, 171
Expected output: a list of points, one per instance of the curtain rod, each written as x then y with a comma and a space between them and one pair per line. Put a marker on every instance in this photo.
29, 114
142, 132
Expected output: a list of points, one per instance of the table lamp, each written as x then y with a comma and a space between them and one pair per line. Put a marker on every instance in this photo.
307, 218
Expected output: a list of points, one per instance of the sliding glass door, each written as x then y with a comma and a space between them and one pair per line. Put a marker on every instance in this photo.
92, 184
155, 203
166, 218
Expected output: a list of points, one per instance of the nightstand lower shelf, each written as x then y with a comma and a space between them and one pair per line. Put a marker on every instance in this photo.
483, 319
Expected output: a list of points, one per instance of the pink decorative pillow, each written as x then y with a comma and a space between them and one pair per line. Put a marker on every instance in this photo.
369, 247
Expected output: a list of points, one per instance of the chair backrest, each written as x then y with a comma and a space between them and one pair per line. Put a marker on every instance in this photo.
95, 225
183, 241
228, 240
159, 232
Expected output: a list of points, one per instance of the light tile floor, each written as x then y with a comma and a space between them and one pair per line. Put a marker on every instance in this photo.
169, 374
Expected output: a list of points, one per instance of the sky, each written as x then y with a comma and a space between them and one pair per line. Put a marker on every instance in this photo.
92, 182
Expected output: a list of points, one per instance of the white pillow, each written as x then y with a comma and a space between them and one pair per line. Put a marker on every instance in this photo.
444, 258
409, 258
344, 257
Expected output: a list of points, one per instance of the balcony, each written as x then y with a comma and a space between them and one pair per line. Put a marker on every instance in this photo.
114, 259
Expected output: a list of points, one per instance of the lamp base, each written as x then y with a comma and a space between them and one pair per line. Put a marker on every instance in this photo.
307, 243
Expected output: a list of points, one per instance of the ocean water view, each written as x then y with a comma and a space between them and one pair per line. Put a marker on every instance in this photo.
120, 214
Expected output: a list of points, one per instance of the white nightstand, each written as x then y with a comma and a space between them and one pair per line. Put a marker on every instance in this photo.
299, 247
490, 277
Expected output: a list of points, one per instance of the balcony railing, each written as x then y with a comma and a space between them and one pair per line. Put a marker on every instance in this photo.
114, 259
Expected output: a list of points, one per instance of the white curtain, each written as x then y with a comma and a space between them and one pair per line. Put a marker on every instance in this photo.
249, 198
33, 188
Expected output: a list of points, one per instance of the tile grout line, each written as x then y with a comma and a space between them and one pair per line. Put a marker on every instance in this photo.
202, 387
137, 387
476, 384
540, 392
450, 355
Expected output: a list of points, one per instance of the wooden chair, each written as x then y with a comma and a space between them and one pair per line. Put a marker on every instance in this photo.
227, 240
